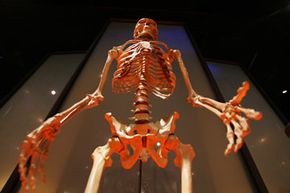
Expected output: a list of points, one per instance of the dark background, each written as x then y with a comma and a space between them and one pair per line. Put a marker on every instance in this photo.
254, 34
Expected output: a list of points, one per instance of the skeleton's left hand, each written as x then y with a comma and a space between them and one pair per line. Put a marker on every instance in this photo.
231, 114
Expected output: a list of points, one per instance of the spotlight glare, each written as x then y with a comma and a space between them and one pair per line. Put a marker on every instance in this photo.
53, 92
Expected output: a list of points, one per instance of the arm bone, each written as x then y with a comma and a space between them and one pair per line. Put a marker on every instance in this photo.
184, 72
38, 141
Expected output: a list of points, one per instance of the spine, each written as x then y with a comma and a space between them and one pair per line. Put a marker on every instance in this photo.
141, 104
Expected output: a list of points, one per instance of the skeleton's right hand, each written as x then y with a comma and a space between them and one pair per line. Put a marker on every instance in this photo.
35, 147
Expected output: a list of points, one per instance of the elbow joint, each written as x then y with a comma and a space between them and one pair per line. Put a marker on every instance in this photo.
177, 53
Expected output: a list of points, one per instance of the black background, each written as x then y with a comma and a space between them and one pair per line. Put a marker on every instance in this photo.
254, 34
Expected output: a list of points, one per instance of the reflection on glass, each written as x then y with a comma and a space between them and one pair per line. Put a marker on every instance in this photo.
26, 91
262, 140
53, 92
40, 120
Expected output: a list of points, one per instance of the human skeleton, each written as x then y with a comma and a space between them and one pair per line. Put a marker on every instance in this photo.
143, 66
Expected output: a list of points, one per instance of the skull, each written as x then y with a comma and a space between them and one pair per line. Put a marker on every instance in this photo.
146, 29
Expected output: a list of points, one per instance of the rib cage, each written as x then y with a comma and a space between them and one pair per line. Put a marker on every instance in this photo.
148, 62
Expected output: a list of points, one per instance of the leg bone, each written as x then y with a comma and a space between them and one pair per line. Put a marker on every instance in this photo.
102, 159
184, 156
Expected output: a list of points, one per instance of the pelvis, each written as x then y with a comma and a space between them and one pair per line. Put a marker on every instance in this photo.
141, 141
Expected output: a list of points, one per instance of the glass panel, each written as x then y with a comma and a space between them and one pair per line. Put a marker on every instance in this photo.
267, 143
30, 105
69, 163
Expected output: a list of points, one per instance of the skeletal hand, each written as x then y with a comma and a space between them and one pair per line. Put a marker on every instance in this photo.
35, 147
231, 114
237, 125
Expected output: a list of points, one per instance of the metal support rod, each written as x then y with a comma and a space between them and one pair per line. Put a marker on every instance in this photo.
140, 177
